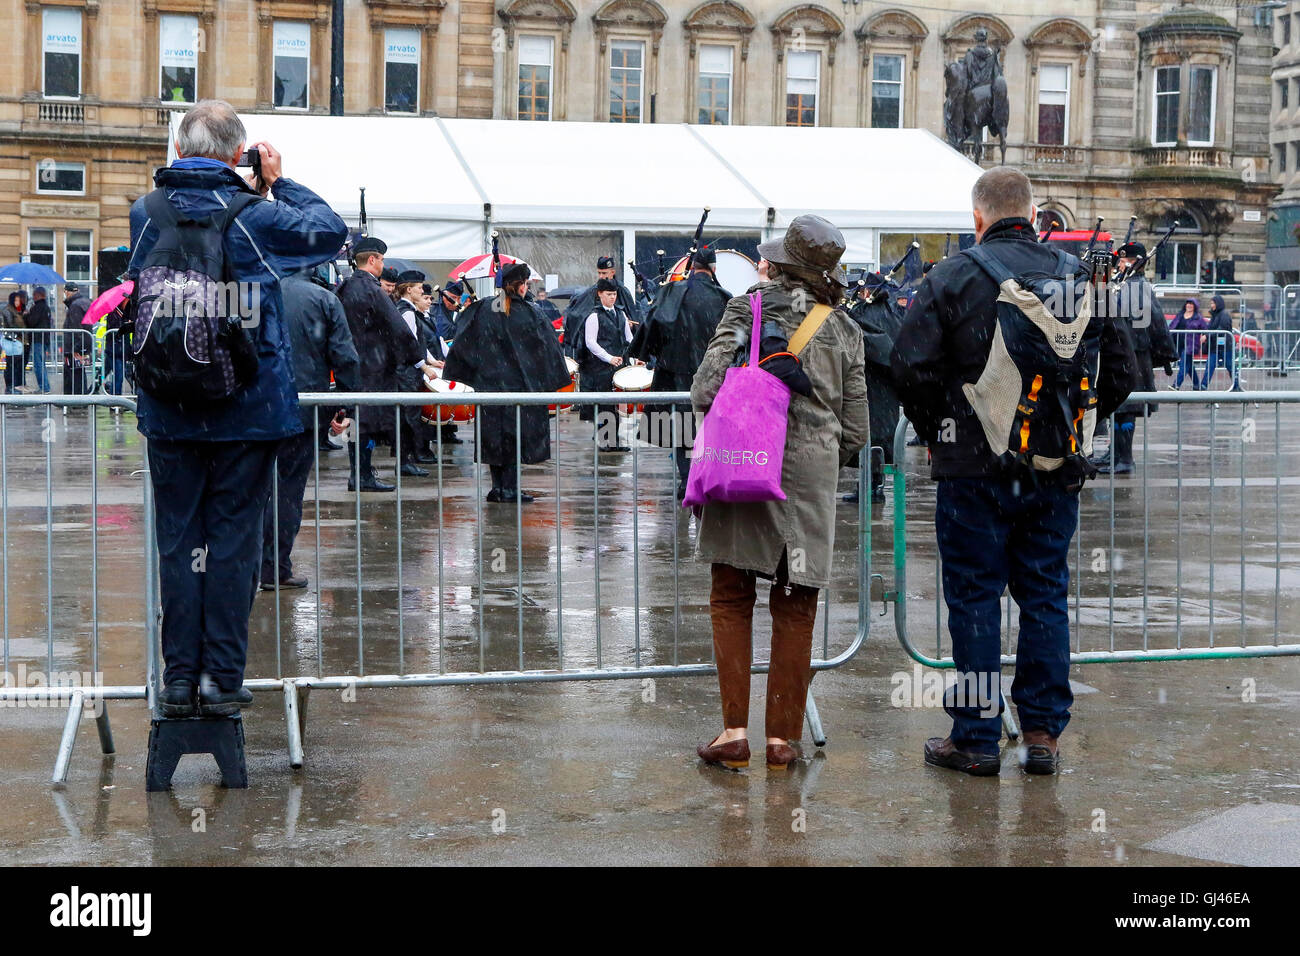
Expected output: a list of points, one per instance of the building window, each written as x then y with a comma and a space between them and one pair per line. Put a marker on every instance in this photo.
1286, 30
40, 246
535, 78
291, 64
54, 176
1283, 93
886, 92
802, 81
1281, 157
1164, 127
401, 70
61, 52
1178, 263
178, 58
1053, 104
1200, 106
76, 255
715, 85
626, 66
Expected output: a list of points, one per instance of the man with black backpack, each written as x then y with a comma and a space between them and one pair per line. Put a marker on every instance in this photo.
1004, 367
211, 360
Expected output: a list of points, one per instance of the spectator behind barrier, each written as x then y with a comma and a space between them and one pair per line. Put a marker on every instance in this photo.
211, 461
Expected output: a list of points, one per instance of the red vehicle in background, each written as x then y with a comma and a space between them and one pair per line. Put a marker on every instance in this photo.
1075, 241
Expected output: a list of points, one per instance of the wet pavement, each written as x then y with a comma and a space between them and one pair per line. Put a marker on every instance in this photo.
1182, 763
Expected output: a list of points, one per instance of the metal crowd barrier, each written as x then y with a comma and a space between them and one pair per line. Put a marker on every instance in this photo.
1255, 359
1128, 602
62, 361
57, 657
569, 607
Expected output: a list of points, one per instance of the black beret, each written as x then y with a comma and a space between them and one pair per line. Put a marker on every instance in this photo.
606, 285
454, 288
412, 275
370, 244
1132, 250
390, 275
605, 262
706, 257
427, 289
519, 272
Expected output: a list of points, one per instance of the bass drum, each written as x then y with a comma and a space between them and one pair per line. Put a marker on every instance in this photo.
447, 414
736, 271
632, 378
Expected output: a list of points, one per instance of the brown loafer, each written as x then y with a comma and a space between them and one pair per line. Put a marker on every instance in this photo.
780, 756
733, 755
1041, 754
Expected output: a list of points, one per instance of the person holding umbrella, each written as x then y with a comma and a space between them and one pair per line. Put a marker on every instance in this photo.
14, 316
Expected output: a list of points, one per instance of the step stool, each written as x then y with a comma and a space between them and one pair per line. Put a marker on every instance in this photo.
171, 738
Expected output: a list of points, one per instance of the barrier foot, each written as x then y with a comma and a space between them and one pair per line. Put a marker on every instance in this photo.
64, 759
105, 729
1009, 720
293, 718
814, 720
172, 738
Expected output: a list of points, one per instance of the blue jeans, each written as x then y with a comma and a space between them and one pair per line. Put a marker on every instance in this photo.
38, 362
1187, 364
994, 533
1213, 361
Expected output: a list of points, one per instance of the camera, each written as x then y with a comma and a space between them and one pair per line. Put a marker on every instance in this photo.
252, 159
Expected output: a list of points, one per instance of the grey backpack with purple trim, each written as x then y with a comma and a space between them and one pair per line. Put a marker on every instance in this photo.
189, 341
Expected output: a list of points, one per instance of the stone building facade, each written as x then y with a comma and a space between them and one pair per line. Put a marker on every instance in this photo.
1117, 106
1283, 255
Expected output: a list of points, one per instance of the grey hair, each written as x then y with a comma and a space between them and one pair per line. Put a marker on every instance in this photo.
1003, 192
211, 128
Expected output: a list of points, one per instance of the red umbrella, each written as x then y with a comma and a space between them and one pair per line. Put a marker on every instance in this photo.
107, 302
480, 267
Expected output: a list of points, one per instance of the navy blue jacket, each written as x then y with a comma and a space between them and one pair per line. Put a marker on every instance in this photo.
268, 241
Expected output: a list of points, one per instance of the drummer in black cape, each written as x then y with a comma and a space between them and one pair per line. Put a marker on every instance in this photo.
602, 350
582, 304
877, 313
503, 344
384, 344
676, 334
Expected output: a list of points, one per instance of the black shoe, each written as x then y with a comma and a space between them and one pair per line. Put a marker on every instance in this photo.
452, 440
494, 495
288, 583
411, 470
681, 492
851, 498
941, 752
425, 457
915, 442
371, 484
1121, 468
215, 702
510, 496
177, 699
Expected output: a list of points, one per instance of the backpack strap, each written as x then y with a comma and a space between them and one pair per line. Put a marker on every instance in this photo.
991, 265
237, 204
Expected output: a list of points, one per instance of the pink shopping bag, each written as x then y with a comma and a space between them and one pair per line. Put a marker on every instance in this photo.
740, 446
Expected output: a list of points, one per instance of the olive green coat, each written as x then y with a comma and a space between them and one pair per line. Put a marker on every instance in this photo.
823, 432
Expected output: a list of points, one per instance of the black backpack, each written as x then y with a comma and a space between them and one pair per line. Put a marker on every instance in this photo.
1036, 398
187, 317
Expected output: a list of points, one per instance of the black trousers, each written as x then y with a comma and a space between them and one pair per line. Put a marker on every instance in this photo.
294, 460
208, 504
505, 477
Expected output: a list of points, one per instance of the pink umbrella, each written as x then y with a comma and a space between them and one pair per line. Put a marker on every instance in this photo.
480, 267
107, 302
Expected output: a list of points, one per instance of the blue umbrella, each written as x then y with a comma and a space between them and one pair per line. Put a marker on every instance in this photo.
29, 273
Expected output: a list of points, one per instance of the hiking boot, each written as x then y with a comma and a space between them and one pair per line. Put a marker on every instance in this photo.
942, 752
1039, 753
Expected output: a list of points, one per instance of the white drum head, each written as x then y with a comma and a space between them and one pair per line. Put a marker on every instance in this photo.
736, 271
633, 378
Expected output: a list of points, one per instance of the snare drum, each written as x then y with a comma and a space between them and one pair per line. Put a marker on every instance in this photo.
572, 366
448, 414
632, 378
736, 272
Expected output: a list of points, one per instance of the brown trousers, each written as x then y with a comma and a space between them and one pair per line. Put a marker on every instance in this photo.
793, 615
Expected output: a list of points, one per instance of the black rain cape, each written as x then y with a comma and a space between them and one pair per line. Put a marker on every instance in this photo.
880, 323
519, 352
676, 334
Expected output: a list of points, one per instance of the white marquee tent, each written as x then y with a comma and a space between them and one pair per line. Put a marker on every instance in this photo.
436, 187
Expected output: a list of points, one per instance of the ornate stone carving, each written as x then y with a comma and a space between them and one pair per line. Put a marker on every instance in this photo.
720, 17
1061, 33
810, 22
891, 25
638, 15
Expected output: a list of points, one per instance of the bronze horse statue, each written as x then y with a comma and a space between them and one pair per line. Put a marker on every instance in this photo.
967, 112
